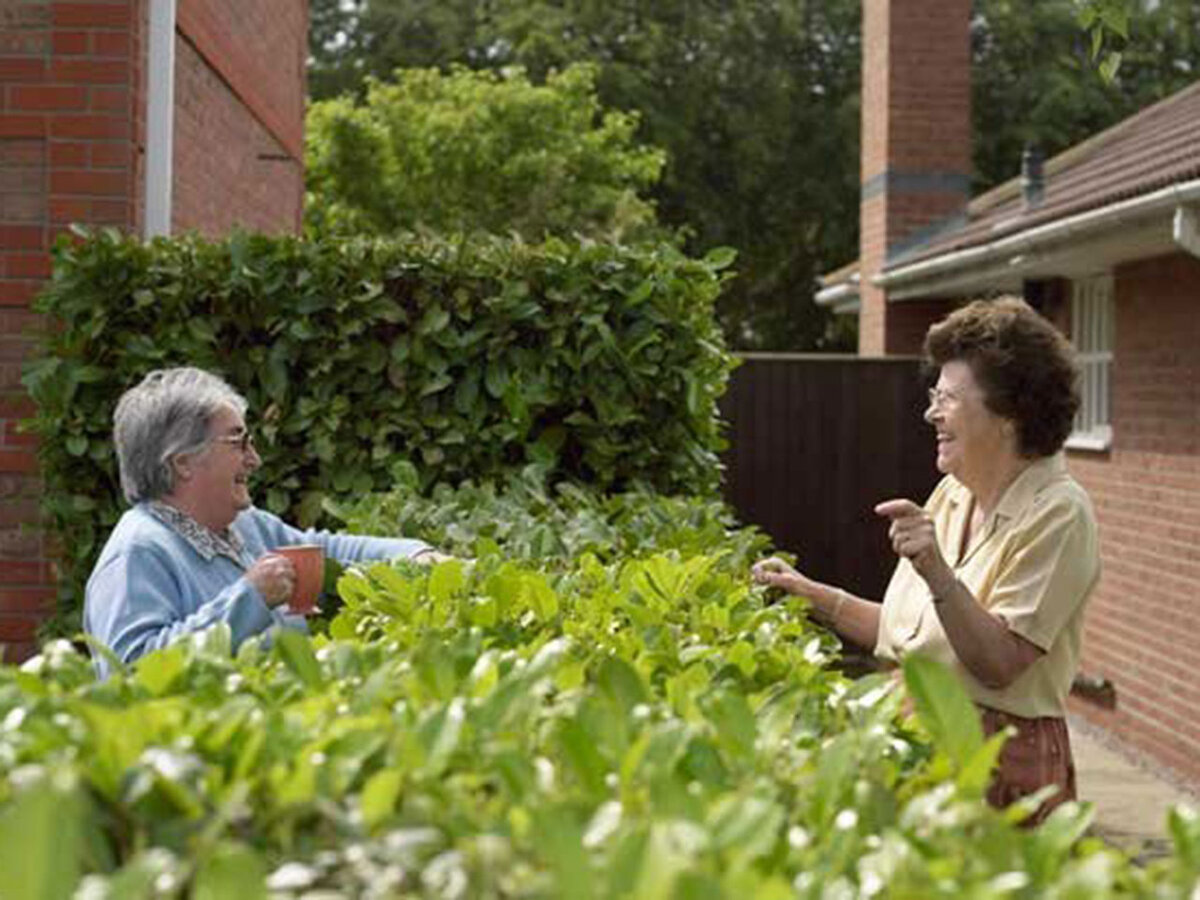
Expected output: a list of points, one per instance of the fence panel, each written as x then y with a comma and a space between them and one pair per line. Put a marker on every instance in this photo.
815, 442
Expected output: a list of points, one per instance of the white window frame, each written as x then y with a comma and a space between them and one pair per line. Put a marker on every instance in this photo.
1092, 329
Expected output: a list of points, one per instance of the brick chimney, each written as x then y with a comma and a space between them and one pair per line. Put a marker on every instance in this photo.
916, 149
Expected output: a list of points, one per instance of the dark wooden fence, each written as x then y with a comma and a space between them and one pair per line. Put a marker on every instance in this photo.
815, 442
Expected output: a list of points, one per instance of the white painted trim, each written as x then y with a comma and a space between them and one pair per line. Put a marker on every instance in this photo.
1003, 250
160, 115
843, 297
1098, 441
1186, 229
1093, 319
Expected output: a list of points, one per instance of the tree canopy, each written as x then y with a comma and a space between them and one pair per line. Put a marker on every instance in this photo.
479, 151
756, 103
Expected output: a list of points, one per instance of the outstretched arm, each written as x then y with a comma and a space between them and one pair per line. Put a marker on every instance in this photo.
853, 618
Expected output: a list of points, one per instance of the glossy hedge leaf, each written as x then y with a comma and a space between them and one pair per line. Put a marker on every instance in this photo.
159, 670
231, 870
446, 580
944, 708
40, 842
295, 649
379, 796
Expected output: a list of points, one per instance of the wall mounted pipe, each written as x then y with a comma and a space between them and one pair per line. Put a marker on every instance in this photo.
160, 118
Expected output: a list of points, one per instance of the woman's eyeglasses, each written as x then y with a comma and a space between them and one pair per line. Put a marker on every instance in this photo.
940, 398
244, 441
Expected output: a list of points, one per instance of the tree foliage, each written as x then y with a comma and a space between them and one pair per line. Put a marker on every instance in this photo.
756, 103
486, 151
1035, 80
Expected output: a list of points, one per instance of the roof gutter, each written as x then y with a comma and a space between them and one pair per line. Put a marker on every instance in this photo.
839, 295
1004, 249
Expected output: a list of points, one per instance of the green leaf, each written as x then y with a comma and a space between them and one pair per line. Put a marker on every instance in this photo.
579, 750
379, 796
537, 593
495, 379
158, 671
435, 319
446, 580
1183, 825
746, 827
41, 841
441, 736
977, 773
296, 652
560, 843
730, 714
720, 257
1110, 65
231, 870
944, 708
621, 682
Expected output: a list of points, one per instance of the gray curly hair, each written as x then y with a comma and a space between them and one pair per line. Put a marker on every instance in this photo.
168, 414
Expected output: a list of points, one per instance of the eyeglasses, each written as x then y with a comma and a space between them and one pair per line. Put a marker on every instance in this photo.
244, 441
940, 398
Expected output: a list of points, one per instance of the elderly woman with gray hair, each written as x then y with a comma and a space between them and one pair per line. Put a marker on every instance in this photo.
193, 551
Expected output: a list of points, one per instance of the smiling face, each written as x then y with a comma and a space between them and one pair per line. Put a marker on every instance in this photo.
971, 439
213, 485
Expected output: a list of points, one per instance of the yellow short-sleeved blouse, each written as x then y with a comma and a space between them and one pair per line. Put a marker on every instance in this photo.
1034, 564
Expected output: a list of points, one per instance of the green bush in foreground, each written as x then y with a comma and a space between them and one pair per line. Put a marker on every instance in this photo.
600, 363
588, 726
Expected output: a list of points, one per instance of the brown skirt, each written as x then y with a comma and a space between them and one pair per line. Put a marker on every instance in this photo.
1038, 755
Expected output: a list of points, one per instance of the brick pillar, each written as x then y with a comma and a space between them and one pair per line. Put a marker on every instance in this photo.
916, 145
69, 86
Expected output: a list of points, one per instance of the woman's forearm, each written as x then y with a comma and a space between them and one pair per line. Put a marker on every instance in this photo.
853, 618
988, 649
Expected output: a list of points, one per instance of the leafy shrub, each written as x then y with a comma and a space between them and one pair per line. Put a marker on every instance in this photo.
527, 519
554, 719
601, 363
479, 151
645, 728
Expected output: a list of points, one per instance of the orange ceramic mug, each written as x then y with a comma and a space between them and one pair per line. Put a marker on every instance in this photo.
309, 560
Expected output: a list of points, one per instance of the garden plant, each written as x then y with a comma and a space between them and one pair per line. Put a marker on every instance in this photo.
591, 702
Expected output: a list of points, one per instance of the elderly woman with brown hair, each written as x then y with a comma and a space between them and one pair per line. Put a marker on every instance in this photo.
996, 568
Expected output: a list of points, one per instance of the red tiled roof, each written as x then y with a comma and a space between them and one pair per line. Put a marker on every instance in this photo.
1152, 149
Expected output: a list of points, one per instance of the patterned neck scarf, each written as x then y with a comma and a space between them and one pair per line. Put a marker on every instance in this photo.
208, 543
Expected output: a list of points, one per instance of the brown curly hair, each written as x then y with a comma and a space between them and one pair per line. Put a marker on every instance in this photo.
1024, 364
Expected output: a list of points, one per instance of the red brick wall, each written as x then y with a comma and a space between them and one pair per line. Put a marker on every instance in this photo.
72, 147
915, 139
239, 115
69, 152
1144, 620
909, 320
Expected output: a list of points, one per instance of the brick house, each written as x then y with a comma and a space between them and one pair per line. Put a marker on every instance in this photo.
152, 116
1105, 240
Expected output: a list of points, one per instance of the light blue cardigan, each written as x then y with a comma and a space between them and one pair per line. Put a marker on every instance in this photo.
150, 586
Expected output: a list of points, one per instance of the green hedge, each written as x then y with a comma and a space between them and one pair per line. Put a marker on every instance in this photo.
528, 519
535, 724
599, 363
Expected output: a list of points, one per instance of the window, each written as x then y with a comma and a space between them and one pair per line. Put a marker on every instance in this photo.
1092, 334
